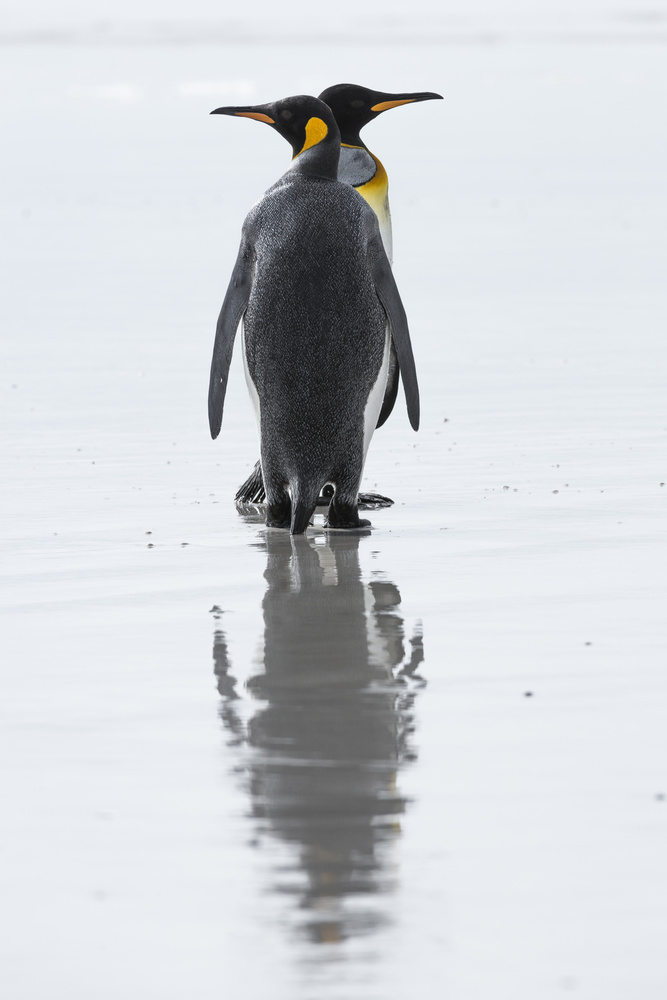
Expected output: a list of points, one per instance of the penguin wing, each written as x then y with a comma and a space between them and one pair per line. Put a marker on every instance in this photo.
233, 307
387, 292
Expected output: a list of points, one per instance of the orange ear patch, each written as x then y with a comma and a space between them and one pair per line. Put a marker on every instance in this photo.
386, 105
316, 130
257, 115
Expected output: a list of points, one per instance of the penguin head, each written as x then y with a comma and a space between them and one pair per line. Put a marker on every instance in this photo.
353, 107
304, 121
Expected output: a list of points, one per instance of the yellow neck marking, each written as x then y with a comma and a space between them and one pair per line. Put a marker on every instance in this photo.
316, 130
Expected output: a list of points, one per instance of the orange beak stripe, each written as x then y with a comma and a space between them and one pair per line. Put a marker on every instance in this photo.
257, 115
386, 105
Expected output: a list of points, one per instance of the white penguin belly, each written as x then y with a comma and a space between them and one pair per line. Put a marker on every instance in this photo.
384, 219
376, 395
254, 395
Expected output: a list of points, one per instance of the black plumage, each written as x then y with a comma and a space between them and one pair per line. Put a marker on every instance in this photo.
316, 288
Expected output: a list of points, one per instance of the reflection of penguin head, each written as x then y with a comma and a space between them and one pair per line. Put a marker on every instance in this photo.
353, 107
304, 121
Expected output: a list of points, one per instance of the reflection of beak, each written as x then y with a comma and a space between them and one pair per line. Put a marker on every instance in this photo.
395, 100
248, 112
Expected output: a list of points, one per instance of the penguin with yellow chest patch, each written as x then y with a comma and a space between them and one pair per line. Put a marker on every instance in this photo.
320, 312
354, 107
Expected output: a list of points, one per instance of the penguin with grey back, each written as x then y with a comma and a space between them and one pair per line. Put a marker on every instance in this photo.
320, 308
354, 107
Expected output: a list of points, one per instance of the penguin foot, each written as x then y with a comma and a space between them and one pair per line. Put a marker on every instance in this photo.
344, 515
252, 491
363, 528
365, 501
279, 515
373, 501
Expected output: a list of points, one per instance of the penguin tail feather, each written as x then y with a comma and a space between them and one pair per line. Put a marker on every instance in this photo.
302, 511
252, 491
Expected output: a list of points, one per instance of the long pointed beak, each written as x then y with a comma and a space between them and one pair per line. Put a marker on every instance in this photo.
246, 112
395, 100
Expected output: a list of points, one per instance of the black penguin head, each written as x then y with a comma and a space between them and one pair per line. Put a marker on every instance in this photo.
353, 106
304, 121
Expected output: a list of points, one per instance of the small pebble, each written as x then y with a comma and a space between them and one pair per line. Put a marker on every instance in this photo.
528, 694
150, 546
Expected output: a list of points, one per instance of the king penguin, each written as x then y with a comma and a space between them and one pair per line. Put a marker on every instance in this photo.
320, 311
354, 107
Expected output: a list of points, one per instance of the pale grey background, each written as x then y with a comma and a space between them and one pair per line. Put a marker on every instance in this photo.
528, 536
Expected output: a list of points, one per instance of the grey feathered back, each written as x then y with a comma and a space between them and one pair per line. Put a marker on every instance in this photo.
313, 318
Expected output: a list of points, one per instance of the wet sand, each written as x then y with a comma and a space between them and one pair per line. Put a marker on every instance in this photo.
427, 760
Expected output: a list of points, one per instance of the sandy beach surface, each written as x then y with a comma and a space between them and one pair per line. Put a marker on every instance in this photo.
429, 760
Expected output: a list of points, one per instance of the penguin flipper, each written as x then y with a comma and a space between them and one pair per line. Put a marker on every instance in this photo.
233, 307
387, 292
391, 391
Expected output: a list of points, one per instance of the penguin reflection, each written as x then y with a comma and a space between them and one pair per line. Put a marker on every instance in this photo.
338, 690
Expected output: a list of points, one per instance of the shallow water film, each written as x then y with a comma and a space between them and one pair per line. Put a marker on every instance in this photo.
429, 759
321, 754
